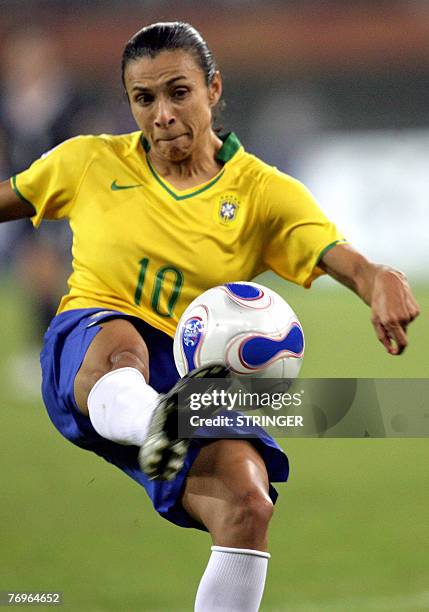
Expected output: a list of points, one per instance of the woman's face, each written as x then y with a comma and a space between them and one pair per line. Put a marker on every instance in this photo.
171, 103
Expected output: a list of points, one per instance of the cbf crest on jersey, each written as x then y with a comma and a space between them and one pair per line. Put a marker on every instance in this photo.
227, 209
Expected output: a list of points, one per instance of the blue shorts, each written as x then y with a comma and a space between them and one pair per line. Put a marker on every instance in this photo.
65, 346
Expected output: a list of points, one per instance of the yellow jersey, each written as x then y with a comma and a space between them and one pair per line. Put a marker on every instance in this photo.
147, 249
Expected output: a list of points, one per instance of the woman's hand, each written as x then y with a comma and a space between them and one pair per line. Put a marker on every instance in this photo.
384, 289
393, 308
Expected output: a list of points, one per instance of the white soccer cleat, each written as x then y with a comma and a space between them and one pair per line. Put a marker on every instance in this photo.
163, 453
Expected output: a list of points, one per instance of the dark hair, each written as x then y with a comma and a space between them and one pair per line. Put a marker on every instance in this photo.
168, 36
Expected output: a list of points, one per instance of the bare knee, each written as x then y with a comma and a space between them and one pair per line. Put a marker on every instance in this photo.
245, 520
117, 345
91, 372
131, 357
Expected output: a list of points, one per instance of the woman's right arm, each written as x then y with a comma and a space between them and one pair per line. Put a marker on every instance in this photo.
11, 205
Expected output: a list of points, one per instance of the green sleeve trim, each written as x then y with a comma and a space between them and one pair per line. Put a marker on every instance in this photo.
19, 194
328, 248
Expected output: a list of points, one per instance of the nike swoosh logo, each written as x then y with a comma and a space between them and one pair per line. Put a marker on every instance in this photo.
115, 187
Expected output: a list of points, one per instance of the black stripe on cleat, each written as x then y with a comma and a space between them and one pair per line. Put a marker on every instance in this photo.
163, 453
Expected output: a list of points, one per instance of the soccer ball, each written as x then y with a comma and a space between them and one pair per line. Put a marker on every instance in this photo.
246, 326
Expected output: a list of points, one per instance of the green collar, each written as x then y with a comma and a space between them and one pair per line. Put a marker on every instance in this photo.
230, 146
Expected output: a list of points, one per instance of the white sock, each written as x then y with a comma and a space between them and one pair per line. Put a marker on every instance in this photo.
234, 580
120, 406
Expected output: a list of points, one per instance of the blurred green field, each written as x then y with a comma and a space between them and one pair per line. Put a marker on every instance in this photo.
350, 532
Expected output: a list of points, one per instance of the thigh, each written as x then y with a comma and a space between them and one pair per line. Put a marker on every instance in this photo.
118, 344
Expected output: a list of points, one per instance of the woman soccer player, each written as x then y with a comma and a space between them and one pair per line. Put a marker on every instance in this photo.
158, 216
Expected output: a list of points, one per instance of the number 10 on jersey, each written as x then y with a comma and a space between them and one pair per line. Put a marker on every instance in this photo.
164, 294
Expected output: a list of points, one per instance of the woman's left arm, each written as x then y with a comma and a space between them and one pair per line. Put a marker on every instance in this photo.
384, 289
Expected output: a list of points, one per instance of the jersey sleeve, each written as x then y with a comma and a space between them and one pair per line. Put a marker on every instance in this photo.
297, 233
52, 182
